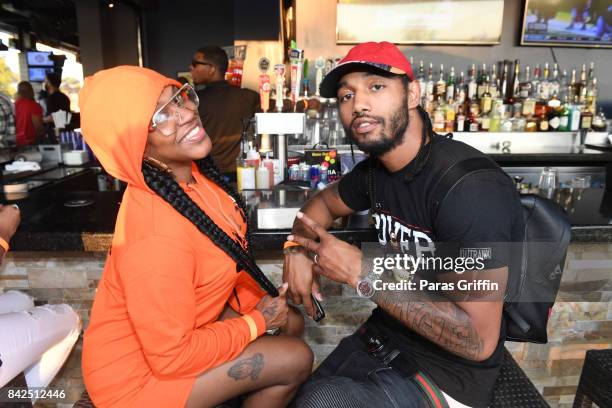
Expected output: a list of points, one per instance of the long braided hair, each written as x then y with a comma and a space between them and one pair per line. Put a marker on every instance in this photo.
165, 186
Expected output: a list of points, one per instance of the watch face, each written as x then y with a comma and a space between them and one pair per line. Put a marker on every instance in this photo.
365, 288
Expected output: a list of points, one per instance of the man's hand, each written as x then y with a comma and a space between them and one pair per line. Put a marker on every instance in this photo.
336, 259
297, 272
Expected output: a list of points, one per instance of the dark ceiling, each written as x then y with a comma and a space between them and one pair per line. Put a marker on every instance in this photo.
53, 22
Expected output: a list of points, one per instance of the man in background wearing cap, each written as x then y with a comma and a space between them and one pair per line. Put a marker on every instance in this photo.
450, 351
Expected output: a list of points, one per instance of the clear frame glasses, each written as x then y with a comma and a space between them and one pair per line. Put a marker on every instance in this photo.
169, 117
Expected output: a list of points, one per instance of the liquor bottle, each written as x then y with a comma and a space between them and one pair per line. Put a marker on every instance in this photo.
421, 78
564, 115
529, 106
494, 82
485, 100
429, 85
485, 121
591, 96
496, 118
518, 122
503, 86
535, 83
513, 89
450, 116
586, 119
506, 124
545, 85
599, 122
441, 85
473, 124
554, 113
450, 85
591, 72
575, 86
483, 80
531, 124
525, 85
543, 124
564, 88
583, 85
460, 126
574, 120
554, 83
472, 84
438, 122
461, 89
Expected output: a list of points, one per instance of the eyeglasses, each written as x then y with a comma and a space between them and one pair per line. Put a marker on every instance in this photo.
169, 117
196, 62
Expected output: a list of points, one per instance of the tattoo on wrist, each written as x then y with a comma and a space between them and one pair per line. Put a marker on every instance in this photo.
247, 367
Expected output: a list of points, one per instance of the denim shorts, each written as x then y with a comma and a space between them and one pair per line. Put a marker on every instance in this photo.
351, 378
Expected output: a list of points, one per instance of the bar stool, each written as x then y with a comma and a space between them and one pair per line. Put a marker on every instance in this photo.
595, 380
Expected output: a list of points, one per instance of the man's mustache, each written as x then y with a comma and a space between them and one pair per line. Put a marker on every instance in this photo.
360, 115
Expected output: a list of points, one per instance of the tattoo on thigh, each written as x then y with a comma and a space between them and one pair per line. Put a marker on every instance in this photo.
247, 367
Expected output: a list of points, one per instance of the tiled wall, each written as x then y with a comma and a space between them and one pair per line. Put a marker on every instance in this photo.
575, 326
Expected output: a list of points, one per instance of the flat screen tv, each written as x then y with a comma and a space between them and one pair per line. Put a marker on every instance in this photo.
38, 74
567, 23
419, 21
39, 59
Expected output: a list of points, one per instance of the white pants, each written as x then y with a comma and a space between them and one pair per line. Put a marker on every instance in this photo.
35, 340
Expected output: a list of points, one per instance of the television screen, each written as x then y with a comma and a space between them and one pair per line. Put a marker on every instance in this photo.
38, 74
39, 59
569, 23
419, 21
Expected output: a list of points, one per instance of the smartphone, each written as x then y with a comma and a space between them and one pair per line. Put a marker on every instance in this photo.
319, 312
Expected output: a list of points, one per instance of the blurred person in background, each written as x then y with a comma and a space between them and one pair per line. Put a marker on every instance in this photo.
7, 119
222, 106
28, 116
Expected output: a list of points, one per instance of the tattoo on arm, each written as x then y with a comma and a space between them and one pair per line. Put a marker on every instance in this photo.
247, 367
443, 322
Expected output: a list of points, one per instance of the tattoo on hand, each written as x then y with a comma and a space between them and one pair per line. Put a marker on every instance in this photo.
269, 311
247, 367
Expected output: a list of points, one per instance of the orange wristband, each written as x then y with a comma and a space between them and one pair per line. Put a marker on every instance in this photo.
289, 244
252, 326
4, 244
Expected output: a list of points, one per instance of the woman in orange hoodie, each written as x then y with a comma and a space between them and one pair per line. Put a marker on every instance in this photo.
160, 334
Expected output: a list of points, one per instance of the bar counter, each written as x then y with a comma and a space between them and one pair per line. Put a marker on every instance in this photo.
59, 251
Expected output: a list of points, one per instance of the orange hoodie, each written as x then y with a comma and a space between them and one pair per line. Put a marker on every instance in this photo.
153, 325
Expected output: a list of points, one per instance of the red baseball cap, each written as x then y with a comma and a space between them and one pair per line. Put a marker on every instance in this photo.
382, 57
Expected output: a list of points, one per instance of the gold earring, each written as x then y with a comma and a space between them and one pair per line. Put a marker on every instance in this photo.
159, 165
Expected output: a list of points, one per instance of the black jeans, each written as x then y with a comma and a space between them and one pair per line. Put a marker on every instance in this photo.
351, 378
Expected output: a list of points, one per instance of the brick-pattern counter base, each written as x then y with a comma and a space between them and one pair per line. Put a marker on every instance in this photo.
579, 322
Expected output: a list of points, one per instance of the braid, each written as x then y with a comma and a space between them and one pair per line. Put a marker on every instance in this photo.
169, 190
208, 167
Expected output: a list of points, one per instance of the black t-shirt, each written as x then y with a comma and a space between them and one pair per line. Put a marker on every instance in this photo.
57, 101
483, 207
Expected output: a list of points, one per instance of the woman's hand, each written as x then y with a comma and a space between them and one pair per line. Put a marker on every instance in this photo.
10, 218
275, 310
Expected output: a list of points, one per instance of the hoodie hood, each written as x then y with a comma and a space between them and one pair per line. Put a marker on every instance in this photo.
117, 105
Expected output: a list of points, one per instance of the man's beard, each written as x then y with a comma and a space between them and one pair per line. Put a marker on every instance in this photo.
398, 125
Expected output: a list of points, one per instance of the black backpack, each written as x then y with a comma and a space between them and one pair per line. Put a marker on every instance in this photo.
546, 223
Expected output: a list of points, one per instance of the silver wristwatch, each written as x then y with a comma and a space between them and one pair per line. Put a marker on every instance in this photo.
365, 286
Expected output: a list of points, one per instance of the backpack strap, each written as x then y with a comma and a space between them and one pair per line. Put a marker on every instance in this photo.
453, 175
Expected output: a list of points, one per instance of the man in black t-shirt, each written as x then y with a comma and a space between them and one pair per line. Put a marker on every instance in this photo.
450, 351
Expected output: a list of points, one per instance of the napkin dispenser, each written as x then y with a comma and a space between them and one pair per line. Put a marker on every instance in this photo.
54, 152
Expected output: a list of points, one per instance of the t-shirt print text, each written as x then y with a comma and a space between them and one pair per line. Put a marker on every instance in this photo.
394, 231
